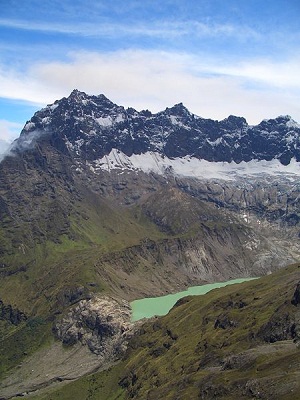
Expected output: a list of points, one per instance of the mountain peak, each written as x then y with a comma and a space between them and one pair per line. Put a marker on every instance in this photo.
77, 95
178, 109
288, 120
235, 119
282, 121
81, 97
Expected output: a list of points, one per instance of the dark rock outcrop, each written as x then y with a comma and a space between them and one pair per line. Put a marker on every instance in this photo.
296, 297
11, 314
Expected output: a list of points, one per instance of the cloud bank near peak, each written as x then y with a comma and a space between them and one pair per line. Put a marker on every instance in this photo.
158, 79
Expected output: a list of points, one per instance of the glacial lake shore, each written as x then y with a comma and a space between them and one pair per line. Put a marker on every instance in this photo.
151, 306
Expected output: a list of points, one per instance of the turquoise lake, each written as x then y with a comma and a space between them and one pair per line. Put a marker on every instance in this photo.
150, 306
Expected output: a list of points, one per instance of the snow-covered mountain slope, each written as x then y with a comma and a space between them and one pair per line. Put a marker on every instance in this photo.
192, 167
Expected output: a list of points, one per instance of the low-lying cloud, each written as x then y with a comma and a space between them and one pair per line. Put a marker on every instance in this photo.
25, 142
8, 132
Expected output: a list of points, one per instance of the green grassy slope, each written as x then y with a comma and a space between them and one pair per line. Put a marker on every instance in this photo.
187, 351
234, 342
41, 281
102, 385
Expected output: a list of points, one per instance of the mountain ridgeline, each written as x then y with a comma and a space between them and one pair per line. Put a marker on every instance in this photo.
100, 205
91, 126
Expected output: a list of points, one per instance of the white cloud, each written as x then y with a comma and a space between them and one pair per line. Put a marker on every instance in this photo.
280, 74
4, 146
155, 80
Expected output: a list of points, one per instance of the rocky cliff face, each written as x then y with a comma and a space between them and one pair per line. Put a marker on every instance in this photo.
11, 314
267, 198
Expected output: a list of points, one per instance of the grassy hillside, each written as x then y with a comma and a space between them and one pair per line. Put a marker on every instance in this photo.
40, 281
235, 342
104, 248
102, 385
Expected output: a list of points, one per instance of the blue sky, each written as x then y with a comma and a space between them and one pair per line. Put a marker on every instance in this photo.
238, 57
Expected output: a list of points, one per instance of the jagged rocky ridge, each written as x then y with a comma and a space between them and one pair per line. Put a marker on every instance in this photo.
91, 126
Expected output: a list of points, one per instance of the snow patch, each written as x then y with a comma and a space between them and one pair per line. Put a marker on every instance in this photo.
53, 106
104, 121
292, 124
69, 145
46, 120
175, 121
119, 118
215, 142
109, 120
29, 126
79, 143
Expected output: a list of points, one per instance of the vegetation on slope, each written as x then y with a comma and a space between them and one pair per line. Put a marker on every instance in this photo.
241, 342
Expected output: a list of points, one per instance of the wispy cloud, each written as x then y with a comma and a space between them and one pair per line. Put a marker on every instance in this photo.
162, 28
21, 85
